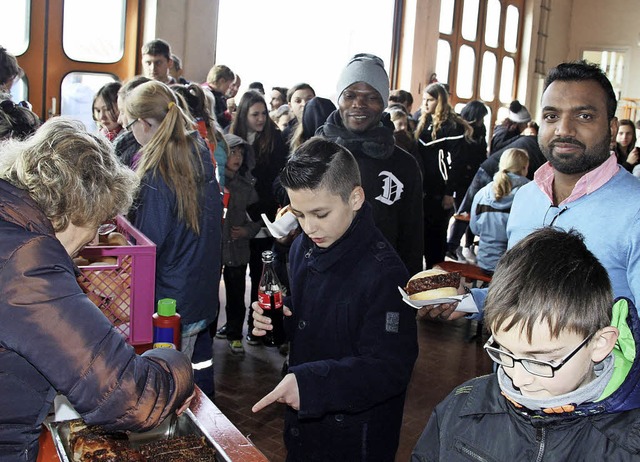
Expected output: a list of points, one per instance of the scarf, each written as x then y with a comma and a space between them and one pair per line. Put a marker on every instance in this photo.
587, 393
377, 142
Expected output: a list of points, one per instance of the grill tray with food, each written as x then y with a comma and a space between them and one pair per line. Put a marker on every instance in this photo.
178, 439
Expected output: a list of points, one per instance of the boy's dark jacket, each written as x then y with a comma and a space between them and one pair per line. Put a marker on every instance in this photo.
476, 422
353, 346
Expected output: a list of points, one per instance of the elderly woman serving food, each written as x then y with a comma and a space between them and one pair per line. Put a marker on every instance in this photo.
56, 188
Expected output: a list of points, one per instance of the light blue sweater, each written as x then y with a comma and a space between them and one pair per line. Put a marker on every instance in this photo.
608, 218
489, 221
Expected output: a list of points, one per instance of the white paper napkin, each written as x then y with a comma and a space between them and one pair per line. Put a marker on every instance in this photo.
282, 226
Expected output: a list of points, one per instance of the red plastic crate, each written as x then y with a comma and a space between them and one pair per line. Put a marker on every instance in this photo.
124, 291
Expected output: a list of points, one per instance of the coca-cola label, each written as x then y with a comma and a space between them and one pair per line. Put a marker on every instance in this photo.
264, 300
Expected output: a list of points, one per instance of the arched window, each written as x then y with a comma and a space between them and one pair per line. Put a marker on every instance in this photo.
483, 40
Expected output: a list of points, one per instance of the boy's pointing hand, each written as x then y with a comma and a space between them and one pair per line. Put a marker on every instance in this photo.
285, 392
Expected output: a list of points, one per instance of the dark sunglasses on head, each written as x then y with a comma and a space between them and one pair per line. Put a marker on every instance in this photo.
9, 106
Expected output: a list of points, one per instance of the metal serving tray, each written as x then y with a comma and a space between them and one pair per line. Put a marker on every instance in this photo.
185, 424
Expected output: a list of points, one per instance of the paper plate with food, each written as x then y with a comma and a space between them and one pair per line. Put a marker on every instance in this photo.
435, 287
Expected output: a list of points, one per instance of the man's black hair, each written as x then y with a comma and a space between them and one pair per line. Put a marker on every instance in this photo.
257, 86
578, 71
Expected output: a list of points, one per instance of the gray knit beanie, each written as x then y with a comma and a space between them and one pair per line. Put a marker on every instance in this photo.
366, 68
518, 113
233, 140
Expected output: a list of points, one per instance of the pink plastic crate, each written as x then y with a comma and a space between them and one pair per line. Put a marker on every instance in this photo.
124, 290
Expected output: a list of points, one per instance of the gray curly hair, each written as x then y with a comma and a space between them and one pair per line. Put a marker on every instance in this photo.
71, 174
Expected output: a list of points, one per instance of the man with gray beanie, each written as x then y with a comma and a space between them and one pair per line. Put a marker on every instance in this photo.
391, 177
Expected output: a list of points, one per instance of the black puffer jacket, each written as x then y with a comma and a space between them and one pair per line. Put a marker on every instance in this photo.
527, 142
54, 339
126, 147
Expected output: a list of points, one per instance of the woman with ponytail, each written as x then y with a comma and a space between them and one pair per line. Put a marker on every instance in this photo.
442, 137
197, 106
492, 204
179, 205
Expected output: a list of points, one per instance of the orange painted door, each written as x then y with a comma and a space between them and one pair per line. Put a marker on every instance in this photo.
46, 63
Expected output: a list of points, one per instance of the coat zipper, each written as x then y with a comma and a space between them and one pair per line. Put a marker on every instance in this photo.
468, 452
540, 438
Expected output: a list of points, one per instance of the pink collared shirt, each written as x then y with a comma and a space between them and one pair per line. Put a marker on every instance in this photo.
588, 183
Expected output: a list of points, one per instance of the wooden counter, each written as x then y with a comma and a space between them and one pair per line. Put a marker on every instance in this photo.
211, 419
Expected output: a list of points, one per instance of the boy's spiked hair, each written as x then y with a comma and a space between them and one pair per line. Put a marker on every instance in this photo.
319, 163
550, 276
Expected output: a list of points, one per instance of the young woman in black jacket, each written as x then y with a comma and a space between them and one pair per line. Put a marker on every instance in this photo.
442, 135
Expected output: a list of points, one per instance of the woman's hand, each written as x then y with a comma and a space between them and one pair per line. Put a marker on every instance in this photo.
186, 403
633, 156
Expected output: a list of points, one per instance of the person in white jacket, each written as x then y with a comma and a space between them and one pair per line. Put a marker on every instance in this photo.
492, 204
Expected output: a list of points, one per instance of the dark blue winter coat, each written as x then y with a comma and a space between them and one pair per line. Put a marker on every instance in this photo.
187, 264
353, 346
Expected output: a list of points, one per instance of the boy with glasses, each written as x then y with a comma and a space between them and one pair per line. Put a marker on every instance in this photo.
567, 385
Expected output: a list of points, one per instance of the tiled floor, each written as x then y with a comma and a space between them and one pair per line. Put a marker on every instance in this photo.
445, 361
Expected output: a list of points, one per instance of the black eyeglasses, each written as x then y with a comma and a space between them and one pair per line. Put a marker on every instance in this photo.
559, 212
533, 366
130, 124
106, 228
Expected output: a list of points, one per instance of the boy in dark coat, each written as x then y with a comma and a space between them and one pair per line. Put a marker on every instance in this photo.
567, 385
353, 340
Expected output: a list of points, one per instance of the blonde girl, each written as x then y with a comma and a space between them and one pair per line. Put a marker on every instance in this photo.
179, 206
514, 161
492, 204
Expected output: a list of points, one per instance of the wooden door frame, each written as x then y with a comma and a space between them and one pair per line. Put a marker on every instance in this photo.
46, 64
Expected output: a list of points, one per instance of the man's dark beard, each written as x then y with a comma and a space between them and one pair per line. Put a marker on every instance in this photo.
592, 157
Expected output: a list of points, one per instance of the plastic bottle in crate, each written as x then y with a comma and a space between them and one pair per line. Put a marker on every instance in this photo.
270, 300
166, 325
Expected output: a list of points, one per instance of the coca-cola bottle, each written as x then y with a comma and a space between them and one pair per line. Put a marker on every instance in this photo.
270, 300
